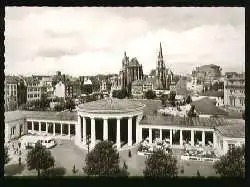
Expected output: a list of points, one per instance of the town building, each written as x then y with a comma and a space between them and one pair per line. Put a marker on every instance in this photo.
131, 71
195, 87
10, 93
34, 89
59, 90
86, 86
234, 91
72, 89
139, 87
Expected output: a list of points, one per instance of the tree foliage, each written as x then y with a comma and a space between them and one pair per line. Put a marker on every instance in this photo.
161, 164
69, 104
172, 97
164, 98
191, 112
232, 164
120, 94
188, 99
103, 160
150, 94
39, 158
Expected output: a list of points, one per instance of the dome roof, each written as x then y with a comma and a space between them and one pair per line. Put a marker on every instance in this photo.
111, 106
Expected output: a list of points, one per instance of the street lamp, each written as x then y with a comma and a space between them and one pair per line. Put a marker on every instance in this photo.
88, 141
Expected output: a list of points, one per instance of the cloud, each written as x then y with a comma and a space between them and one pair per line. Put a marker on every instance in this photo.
93, 40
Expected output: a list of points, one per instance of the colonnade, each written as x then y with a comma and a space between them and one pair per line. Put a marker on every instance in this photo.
47, 125
181, 135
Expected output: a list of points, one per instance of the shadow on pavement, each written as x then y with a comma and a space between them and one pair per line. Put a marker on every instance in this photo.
58, 171
13, 169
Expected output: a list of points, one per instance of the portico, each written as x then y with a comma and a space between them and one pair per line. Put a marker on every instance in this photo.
110, 119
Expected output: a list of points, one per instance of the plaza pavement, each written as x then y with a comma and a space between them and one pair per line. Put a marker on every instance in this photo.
67, 154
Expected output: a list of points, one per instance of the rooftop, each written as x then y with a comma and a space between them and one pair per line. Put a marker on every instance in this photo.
134, 62
60, 116
111, 105
206, 106
236, 129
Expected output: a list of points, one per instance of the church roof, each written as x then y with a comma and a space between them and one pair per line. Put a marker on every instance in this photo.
134, 62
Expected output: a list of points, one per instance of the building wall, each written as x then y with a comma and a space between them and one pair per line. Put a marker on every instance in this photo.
60, 90
34, 92
10, 96
234, 93
15, 129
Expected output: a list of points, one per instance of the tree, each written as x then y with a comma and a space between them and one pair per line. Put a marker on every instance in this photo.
164, 98
191, 112
103, 160
161, 164
172, 97
70, 104
188, 99
232, 164
6, 155
40, 158
150, 94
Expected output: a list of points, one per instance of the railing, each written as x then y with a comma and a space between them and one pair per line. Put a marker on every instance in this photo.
194, 158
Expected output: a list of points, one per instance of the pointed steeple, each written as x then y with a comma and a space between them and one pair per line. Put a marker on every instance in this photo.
160, 52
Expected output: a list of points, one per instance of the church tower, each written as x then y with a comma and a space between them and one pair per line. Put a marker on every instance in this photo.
161, 71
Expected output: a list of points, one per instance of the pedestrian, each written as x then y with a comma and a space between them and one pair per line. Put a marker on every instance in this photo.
19, 161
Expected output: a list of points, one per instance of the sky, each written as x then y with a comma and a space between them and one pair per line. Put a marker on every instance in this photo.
92, 40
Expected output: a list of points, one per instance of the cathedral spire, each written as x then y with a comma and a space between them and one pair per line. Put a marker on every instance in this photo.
160, 52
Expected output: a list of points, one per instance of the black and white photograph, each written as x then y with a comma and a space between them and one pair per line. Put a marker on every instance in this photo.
124, 92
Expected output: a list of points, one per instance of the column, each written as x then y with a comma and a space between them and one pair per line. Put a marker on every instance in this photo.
203, 138
32, 126
138, 70
54, 129
39, 127
140, 134
69, 130
78, 130
84, 130
192, 137
61, 129
150, 135
161, 134
137, 130
181, 139
105, 129
214, 140
130, 131
171, 136
92, 132
118, 133
47, 130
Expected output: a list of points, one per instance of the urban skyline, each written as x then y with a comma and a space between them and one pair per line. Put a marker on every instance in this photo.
83, 42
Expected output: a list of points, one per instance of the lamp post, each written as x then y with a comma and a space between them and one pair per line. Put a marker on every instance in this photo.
88, 141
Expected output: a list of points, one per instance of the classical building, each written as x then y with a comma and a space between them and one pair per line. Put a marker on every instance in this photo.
207, 73
10, 93
110, 119
131, 71
234, 90
126, 123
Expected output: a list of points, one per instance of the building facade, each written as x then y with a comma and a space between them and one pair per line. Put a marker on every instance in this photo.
59, 90
10, 93
131, 71
234, 91
72, 89
34, 89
